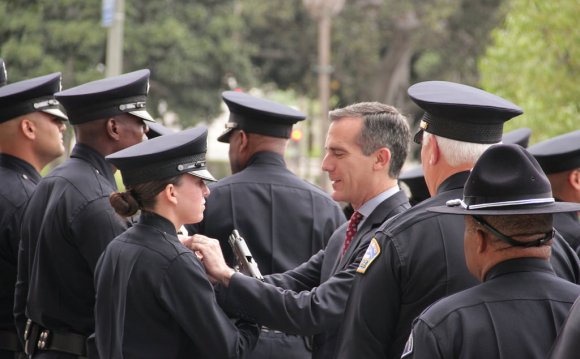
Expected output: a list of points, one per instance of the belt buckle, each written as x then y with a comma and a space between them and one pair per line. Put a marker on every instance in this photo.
43, 339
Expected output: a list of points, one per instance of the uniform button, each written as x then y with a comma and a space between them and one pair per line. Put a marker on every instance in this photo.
24, 176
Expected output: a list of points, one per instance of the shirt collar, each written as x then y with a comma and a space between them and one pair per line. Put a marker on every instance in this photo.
369, 206
97, 160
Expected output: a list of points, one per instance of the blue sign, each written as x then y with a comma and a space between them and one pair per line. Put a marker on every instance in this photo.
108, 12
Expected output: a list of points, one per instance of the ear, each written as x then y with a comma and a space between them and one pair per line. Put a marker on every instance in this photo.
481, 240
243, 141
382, 158
574, 179
434, 154
28, 128
169, 194
112, 128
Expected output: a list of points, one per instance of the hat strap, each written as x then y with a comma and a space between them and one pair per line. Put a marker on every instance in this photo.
515, 243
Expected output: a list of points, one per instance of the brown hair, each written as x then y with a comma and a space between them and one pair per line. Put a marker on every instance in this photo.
141, 196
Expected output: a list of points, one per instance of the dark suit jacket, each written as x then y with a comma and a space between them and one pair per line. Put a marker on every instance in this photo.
310, 299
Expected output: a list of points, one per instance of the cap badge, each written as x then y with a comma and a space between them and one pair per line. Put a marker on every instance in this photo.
423, 125
131, 106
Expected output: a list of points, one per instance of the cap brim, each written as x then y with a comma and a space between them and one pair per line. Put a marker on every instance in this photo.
143, 114
558, 207
203, 174
225, 136
418, 136
55, 112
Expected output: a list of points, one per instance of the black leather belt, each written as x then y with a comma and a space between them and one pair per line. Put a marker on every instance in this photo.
40, 338
9, 341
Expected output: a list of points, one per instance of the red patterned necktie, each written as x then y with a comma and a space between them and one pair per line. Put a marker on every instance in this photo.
351, 229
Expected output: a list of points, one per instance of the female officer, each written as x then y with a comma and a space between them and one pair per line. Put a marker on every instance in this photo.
153, 296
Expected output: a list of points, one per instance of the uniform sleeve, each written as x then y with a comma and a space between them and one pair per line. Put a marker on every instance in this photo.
21, 289
189, 297
306, 312
94, 227
368, 327
422, 343
304, 277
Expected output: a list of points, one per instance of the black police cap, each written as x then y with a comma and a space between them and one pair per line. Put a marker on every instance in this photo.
156, 129
164, 157
415, 180
33, 95
521, 137
108, 97
3, 73
506, 180
257, 115
558, 154
461, 112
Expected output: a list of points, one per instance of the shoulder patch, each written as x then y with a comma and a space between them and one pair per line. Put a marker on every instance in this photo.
373, 251
408, 346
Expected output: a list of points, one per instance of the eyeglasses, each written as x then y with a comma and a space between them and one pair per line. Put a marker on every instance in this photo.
538, 242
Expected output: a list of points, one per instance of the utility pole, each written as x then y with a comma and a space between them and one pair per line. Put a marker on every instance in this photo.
323, 11
114, 20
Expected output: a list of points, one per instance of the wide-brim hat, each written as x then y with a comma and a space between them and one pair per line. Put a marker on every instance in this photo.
164, 157
258, 115
506, 180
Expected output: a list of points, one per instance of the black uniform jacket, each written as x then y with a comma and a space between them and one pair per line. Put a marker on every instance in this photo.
421, 260
569, 227
515, 313
154, 300
18, 181
567, 344
310, 300
69, 222
284, 219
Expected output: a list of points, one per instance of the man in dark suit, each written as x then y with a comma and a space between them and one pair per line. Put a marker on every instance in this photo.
560, 160
366, 146
418, 257
31, 136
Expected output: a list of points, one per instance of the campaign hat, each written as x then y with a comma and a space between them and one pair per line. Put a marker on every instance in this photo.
3, 73
460, 112
32, 95
558, 154
257, 115
506, 180
108, 97
164, 157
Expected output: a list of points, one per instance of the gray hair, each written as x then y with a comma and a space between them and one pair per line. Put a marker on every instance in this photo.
383, 126
457, 152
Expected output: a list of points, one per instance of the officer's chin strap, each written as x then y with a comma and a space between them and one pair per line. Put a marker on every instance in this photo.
537, 243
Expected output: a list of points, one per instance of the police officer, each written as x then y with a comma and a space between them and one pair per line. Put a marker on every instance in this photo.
366, 146
517, 311
153, 296
31, 136
415, 180
284, 219
69, 220
418, 256
560, 160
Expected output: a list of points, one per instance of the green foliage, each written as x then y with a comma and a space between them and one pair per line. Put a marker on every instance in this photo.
190, 47
535, 62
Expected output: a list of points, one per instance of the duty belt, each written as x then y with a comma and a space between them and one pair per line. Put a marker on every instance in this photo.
39, 338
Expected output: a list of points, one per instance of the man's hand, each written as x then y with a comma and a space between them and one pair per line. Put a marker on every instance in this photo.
212, 258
